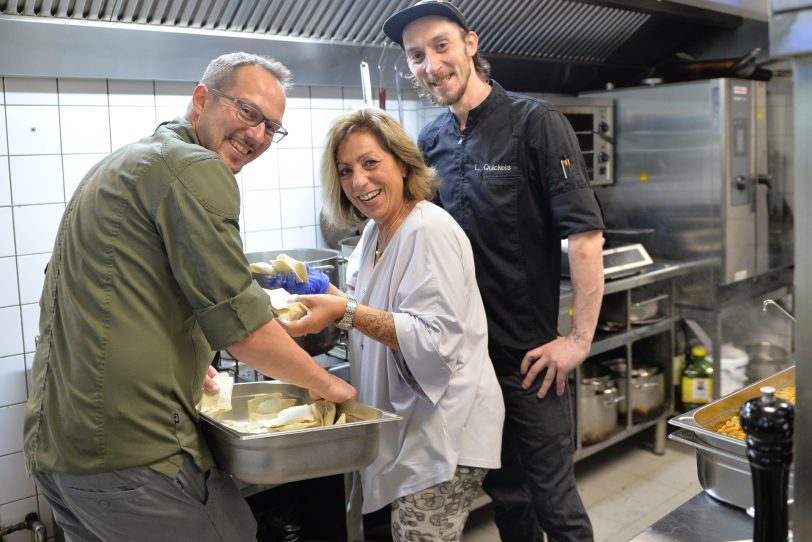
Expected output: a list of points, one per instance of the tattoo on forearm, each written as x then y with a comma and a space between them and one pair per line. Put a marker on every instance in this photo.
380, 327
577, 335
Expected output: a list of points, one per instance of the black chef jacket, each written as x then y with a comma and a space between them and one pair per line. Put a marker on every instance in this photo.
515, 180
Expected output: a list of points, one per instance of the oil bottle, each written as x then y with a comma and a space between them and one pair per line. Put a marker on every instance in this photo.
697, 380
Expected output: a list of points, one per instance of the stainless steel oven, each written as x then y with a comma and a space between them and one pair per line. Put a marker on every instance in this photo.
592, 119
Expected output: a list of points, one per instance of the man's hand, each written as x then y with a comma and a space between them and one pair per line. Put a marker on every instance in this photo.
337, 392
209, 385
559, 357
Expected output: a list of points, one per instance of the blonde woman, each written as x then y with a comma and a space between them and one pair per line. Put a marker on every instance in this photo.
418, 333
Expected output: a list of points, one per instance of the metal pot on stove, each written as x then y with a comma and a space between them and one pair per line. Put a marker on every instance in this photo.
647, 388
597, 404
325, 260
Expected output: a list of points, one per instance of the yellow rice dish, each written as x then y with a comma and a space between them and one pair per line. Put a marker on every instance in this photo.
731, 427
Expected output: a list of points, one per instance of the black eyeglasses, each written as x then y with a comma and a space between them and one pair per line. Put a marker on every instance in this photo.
252, 117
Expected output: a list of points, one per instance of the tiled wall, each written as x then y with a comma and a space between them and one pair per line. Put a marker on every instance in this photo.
52, 131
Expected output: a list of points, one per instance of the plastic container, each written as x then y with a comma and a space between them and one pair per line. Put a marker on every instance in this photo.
733, 374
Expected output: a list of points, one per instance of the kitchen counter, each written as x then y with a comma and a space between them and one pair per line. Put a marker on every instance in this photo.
659, 270
700, 519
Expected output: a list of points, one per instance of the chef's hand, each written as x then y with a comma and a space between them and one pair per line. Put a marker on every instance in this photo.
209, 385
559, 357
324, 309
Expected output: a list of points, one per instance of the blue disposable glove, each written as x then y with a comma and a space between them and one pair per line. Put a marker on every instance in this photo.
317, 282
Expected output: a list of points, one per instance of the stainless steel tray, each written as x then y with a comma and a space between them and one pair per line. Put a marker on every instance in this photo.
701, 420
723, 469
287, 456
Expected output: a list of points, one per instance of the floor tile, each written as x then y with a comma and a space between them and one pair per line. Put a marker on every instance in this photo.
625, 489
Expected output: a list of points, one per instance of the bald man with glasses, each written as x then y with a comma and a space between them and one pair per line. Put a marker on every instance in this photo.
146, 280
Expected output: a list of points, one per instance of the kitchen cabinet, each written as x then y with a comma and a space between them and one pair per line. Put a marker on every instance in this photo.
636, 328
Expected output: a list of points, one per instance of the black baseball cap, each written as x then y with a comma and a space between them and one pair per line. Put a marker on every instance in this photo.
394, 25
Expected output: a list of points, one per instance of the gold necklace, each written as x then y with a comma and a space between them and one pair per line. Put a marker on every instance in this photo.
389, 231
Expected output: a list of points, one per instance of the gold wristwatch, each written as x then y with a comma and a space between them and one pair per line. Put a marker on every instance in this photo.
346, 322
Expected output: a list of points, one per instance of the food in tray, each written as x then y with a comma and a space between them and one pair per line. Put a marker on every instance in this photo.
270, 412
216, 403
731, 426
281, 308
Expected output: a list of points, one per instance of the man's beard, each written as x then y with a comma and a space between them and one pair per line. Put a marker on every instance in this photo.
443, 101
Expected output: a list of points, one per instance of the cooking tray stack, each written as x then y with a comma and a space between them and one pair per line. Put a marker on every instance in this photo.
287, 456
722, 465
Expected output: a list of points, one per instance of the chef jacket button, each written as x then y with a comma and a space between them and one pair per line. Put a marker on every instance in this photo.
104, 504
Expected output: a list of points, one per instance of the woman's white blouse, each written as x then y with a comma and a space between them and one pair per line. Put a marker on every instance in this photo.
442, 382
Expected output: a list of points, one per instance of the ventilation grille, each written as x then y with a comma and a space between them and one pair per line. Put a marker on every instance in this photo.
562, 30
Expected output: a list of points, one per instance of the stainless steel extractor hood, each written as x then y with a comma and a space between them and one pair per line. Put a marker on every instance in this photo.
541, 45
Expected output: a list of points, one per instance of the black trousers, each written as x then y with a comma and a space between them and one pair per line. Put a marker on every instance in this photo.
534, 492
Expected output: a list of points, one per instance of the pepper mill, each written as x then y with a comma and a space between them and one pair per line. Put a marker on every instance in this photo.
767, 422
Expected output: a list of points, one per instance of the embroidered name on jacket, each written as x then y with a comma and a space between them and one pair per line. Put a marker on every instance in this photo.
493, 167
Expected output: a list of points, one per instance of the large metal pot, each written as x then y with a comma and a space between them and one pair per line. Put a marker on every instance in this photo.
597, 404
326, 261
647, 389
766, 359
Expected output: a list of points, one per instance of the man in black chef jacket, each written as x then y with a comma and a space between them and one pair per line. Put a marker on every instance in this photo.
514, 178
146, 279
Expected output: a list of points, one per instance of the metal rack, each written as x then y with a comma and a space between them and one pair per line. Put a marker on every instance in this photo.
654, 337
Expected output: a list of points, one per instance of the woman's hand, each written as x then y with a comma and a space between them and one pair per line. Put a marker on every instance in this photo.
325, 309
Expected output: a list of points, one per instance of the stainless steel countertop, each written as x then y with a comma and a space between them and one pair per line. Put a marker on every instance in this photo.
659, 270
700, 519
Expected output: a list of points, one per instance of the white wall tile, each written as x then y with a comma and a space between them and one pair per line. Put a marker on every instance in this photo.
5, 182
82, 92
353, 98
6, 230
123, 92
411, 124
297, 123
321, 120
3, 139
32, 274
33, 129
297, 98
2, 91
30, 315
15, 512
317, 156
262, 173
9, 293
263, 241
12, 380
298, 208
296, 168
30, 91
35, 227
29, 360
16, 484
11, 333
36, 179
85, 129
11, 420
173, 94
130, 123
75, 166
411, 99
304, 237
167, 113
326, 98
262, 211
